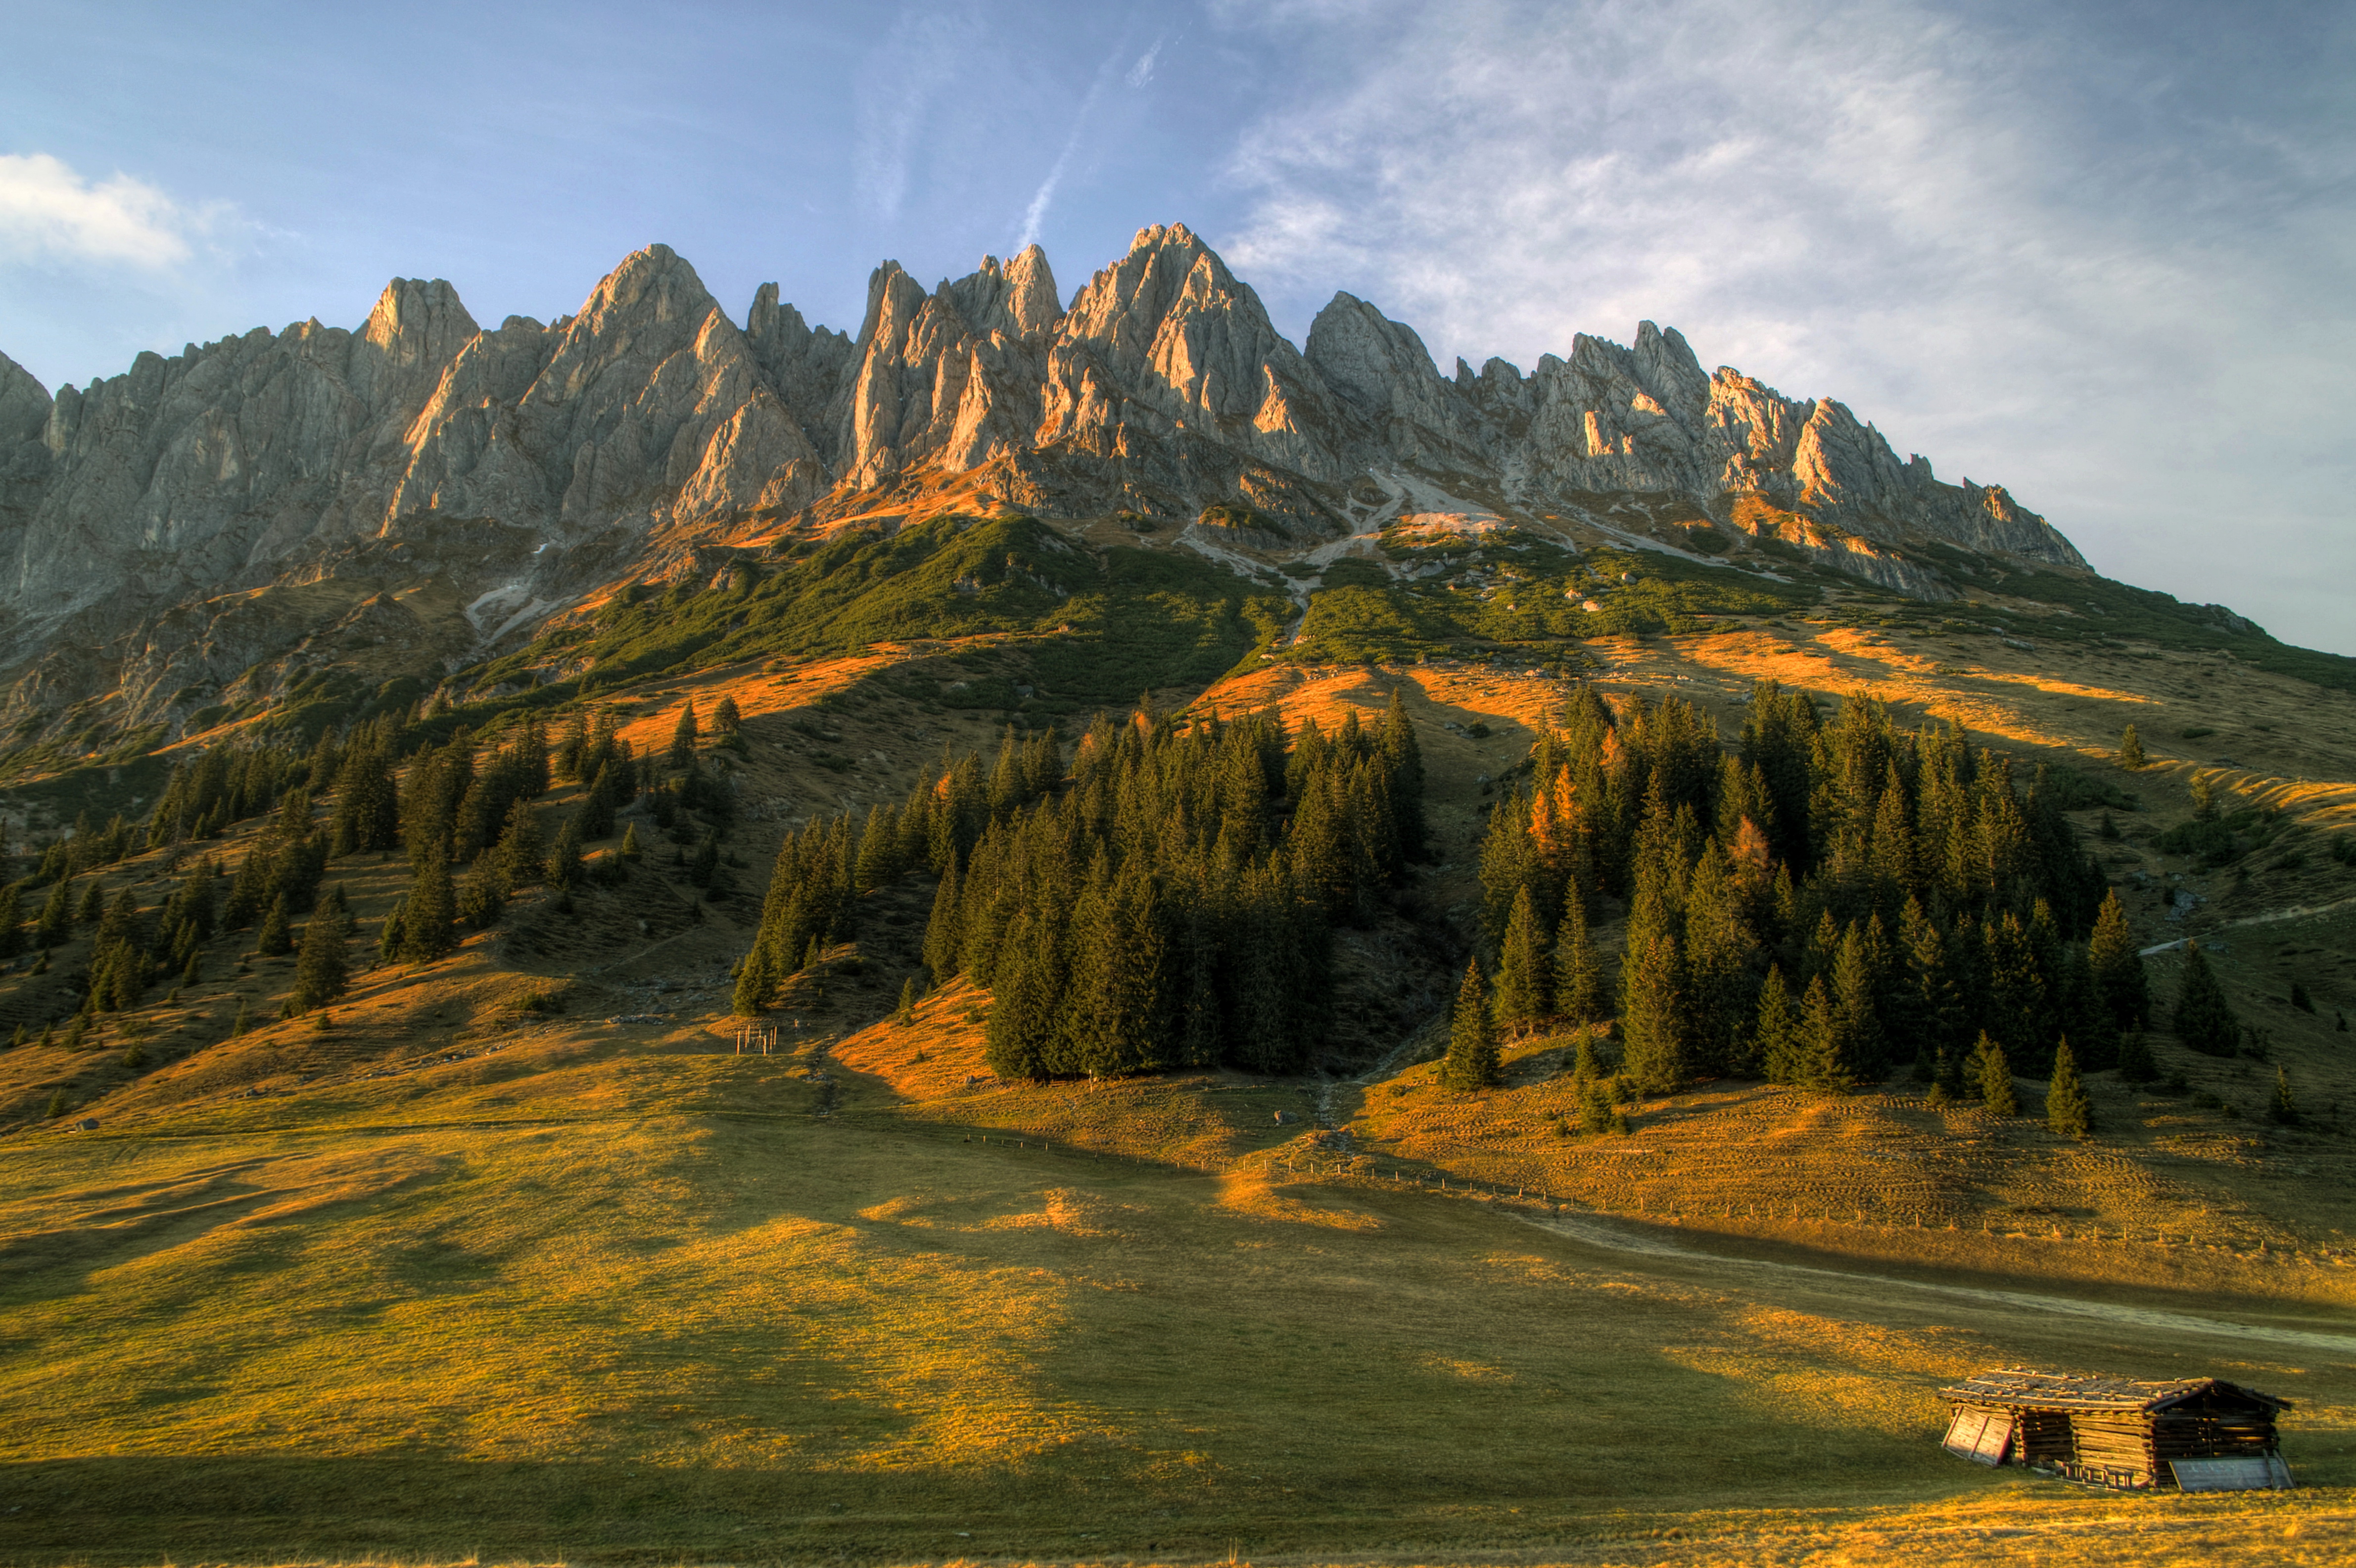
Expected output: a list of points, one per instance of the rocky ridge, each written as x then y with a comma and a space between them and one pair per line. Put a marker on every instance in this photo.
147, 521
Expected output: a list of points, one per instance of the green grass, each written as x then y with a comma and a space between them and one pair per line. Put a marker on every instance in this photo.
2102, 611
1527, 597
1102, 626
590, 1301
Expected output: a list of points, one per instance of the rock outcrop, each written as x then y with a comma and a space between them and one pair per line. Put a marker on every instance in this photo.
517, 465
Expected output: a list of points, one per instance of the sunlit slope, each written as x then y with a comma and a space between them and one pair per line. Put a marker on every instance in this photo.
579, 1297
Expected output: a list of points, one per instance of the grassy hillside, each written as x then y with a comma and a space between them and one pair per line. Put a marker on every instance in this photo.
518, 1259
603, 1294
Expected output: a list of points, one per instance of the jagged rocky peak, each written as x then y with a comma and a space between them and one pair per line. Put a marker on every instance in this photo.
25, 405
1018, 299
416, 329
1178, 333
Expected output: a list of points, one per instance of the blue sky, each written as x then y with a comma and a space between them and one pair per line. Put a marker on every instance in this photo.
2100, 254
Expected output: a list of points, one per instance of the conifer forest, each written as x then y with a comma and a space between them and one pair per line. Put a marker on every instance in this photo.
1823, 903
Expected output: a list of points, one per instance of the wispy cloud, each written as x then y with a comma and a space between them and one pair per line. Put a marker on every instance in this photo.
919, 59
1035, 214
2027, 250
1143, 72
49, 212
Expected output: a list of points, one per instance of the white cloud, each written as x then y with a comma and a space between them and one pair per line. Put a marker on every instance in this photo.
902, 85
1143, 72
2034, 258
1035, 214
49, 212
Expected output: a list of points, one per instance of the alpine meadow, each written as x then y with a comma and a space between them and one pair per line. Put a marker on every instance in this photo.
1057, 929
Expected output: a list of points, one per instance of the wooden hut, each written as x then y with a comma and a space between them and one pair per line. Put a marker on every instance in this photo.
2198, 1435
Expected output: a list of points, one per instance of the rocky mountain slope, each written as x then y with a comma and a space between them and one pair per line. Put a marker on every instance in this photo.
441, 489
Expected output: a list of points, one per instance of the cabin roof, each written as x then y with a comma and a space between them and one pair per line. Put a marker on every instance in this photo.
2027, 1387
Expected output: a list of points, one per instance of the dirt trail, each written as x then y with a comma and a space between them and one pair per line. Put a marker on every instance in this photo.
1612, 1239
2272, 917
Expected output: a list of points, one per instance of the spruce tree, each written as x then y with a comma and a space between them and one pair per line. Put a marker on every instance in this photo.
1857, 1022
1586, 1066
683, 737
1578, 990
2118, 967
2130, 748
1594, 1111
1521, 996
905, 1014
521, 849
944, 933
1472, 1060
1819, 1062
756, 983
630, 850
2204, 1019
564, 868
2284, 1109
319, 974
2069, 1109
56, 921
1778, 1031
1995, 1078
1652, 1016
429, 909
276, 936
725, 720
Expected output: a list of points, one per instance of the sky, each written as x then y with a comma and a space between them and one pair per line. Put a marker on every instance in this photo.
2101, 254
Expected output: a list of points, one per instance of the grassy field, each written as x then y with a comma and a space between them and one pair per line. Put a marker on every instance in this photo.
607, 1293
462, 1280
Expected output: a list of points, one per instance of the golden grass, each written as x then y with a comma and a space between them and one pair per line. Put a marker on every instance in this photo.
469, 1283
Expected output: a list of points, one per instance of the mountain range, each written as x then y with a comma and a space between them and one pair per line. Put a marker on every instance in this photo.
423, 464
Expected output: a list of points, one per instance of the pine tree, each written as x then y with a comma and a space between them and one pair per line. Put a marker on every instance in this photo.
2204, 1019
521, 849
1652, 1016
683, 737
2135, 1063
429, 909
630, 850
2118, 967
945, 933
319, 973
56, 921
1472, 1060
2130, 749
1578, 973
480, 898
1818, 1062
1595, 1112
1857, 1042
1778, 1031
276, 936
905, 1014
756, 983
2069, 1109
1521, 995
1994, 1078
725, 721
1586, 1065
564, 868
2284, 1110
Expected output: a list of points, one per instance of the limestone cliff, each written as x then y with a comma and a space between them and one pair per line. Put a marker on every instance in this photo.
513, 468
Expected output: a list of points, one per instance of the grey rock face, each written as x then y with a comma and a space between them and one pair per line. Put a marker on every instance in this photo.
518, 463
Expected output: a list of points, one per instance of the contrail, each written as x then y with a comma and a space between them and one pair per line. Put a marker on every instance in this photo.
1139, 75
